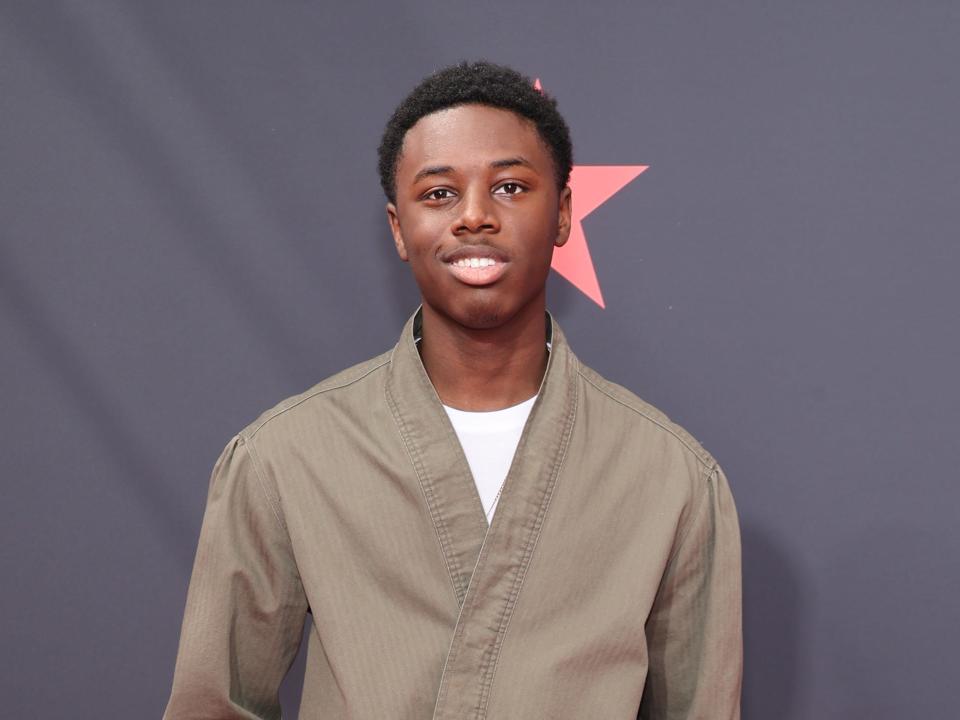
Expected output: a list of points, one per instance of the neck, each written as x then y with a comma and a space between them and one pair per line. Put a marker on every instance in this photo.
489, 369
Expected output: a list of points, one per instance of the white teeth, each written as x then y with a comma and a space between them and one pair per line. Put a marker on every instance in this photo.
475, 262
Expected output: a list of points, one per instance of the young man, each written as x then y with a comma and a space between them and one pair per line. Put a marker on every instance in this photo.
607, 582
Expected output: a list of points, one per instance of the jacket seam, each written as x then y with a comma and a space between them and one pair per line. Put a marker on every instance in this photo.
255, 461
277, 513
683, 441
681, 541
313, 394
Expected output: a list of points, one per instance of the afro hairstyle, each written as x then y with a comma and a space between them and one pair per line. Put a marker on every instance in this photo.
483, 83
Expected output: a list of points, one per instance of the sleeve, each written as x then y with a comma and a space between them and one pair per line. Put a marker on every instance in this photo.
245, 607
694, 631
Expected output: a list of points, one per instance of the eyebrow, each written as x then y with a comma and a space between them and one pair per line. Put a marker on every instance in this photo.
511, 162
433, 170
444, 169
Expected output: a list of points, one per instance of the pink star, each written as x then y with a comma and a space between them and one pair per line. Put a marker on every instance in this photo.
591, 185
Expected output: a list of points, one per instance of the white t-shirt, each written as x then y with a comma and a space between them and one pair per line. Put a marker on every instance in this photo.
489, 440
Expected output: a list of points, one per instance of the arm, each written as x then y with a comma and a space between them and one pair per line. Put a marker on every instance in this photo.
694, 636
245, 607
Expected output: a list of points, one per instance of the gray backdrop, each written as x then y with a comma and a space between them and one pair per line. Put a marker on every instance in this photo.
192, 230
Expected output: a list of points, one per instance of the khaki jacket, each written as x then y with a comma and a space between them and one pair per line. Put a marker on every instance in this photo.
606, 586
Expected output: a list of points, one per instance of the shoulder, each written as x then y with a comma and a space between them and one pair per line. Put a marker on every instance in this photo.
641, 416
356, 378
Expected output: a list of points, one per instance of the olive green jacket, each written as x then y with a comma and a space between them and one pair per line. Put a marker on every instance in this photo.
606, 586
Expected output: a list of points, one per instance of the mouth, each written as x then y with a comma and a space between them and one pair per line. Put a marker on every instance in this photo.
476, 265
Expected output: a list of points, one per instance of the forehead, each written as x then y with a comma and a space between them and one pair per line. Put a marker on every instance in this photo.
472, 134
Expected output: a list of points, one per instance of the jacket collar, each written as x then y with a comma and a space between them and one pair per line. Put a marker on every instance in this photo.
442, 470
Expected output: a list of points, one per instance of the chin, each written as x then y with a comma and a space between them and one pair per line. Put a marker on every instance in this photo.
479, 313
483, 320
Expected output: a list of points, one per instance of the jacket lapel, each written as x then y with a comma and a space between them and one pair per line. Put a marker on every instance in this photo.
438, 459
486, 565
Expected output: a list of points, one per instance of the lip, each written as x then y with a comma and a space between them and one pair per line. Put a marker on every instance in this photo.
465, 252
476, 276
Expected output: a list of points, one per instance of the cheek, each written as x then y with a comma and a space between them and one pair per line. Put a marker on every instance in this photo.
539, 240
422, 255
421, 236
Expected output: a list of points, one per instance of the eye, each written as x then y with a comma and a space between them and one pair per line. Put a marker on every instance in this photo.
510, 188
438, 194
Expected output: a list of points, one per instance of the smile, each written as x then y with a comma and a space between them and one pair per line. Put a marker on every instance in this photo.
474, 262
477, 270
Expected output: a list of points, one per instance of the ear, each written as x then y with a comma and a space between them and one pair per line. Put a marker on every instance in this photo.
565, 213
394, 221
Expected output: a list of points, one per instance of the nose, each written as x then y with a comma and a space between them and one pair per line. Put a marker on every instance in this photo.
477, 213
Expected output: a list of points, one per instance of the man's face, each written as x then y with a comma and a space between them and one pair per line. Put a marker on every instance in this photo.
478, 213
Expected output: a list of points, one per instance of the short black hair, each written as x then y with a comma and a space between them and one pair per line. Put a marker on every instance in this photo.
483, 83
